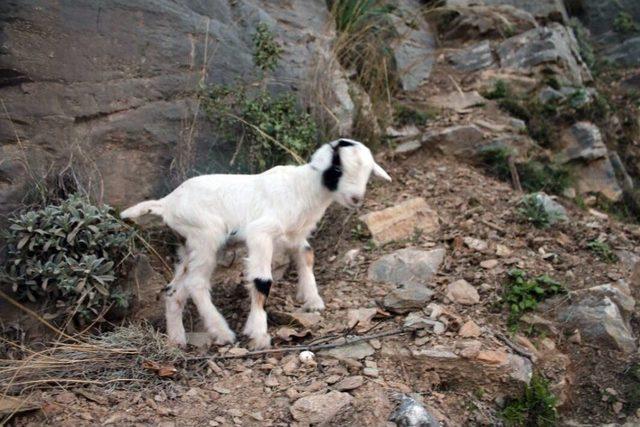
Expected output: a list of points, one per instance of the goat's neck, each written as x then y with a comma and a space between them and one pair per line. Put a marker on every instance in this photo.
314, 196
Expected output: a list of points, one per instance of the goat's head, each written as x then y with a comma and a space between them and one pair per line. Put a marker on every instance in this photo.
346, 166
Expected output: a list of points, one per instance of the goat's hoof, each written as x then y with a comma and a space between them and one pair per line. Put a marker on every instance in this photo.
314, 305
178, 341
227, 337
261, 342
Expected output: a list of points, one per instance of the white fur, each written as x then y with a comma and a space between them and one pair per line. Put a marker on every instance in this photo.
279, 207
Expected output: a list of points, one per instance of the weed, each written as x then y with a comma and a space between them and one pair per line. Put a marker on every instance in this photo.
624, 23
404, 115
535, 408
532, 210
602, 251
360, 232
68, 255
266, 51
548, 177
515, 108
496, 159
272, 129
500, 90
523, 294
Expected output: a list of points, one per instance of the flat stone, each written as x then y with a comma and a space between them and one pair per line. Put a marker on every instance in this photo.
349, 383
409, 267
401, 221
416, 321
489, 264
356, 351
472, 58
493, 357
597, 176
462, 292
470, 330
320, 408
475, 244
582, 141
460, 140
457, 101
407, 298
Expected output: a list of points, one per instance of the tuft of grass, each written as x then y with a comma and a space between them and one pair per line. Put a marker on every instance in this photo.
536, 407
272, 129
548, 177
352, 15
404, 115
625, 24
495, 158
532, 210
584, 45
266, 51
500, 90
602, 251
523, 293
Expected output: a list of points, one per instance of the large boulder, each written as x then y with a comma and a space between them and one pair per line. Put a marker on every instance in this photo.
109, 88
553, 46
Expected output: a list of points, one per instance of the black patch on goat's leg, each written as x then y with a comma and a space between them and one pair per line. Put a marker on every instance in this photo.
263, 286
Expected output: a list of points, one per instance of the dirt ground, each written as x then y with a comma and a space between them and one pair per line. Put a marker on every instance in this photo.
260, 390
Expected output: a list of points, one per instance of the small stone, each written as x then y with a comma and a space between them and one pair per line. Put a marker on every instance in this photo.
503, 251
470, 330
371, 372
320, 408
462, 292
476, 244
235, 412
493, 357
271, 381
349, 383
575, 337
375, 343
407, 267
410, 412
358, 350
237, 351
470, 349
332, 379
221, 389
489, 264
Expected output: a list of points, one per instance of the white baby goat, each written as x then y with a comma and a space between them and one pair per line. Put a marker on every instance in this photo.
279, 207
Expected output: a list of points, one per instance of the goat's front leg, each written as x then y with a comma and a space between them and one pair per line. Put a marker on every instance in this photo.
307, 289
260, 279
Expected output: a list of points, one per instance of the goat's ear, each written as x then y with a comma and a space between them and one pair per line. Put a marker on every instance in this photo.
379, 172
322, 158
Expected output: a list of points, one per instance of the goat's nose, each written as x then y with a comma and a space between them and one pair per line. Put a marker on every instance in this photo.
356, 200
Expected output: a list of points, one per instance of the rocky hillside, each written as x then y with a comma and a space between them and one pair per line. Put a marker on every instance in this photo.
494, 282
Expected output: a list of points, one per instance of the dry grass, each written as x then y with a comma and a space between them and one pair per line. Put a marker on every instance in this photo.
124, 357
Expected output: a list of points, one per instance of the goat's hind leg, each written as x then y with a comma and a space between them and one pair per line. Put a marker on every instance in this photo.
175, 300
197, 281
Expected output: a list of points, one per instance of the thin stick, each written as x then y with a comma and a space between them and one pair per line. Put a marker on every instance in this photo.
315, 347
518, 349
515, 178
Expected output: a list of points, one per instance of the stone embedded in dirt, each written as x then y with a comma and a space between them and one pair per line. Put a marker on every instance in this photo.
551, 46
472, 58
470, 330
408, 267
493, 357
549, 94
401, 221
408, 147
460, 140
602, 315
503, 251
554, 210
582, 141
416, 321
349, 383
359, 350
489, 264
407, 298
462, 292
411, 413
469, 349
457, 101
475, 244
320, 408
597, 176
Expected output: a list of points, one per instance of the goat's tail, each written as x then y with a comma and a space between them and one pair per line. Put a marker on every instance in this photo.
153, 207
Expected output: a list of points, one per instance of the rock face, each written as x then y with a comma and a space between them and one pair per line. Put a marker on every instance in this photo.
553, 46
460, 140
320, 408
543, 9
401, 221
626, 54
473, 58
113, 85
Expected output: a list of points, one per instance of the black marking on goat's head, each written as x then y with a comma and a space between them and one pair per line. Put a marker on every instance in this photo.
263, 286
331, 176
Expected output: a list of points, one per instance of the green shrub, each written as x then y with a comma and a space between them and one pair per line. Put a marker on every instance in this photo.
602, 251
535, 408
496, 160
624, 23
500, 90
271, 129
404, 115
352, 15
522, 294
266, 51
548, 177
68, 256
532, 210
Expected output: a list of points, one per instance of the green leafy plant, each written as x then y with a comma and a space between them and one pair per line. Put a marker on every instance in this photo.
532, 210
624, 23
495, 158
266, 51
271, 129
602, 251
535, 408
522, 293
67, 255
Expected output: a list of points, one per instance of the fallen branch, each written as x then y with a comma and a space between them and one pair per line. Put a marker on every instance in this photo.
313, 347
